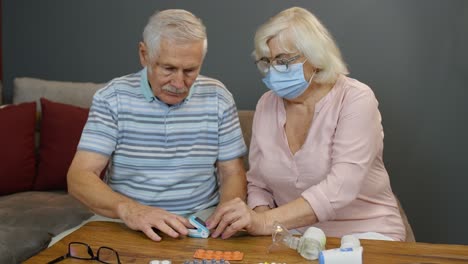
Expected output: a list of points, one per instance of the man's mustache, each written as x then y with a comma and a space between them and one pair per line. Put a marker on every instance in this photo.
172, 89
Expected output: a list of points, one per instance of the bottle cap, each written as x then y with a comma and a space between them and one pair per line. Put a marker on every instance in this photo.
350, 241
316, 234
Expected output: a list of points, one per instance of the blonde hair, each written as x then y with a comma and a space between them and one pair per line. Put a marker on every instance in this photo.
173, 24
298, 30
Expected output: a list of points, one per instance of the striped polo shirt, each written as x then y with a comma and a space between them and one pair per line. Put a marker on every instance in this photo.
161, 155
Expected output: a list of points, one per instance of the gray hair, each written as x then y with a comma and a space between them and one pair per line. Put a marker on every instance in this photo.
298, 30
173, 24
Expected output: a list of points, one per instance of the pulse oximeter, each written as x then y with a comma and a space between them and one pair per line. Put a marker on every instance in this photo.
200, 231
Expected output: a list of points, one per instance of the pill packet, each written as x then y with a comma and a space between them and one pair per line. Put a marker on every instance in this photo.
218, 255
207, 261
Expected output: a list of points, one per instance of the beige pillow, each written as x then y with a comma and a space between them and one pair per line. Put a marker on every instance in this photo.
27, 89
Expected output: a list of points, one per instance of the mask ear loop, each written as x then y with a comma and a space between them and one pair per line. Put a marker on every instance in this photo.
311, 77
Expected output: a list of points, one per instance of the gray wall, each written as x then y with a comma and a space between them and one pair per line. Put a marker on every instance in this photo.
412, 53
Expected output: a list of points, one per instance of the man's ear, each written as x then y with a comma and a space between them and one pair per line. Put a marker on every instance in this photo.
143, 52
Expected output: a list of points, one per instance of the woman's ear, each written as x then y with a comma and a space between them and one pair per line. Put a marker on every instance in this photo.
143, 53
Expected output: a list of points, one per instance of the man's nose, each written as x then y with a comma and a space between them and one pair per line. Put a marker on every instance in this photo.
178, 80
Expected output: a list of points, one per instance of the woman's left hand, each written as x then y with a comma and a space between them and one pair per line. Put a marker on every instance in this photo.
233, 216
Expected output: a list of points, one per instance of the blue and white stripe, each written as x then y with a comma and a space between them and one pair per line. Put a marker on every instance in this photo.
164, 155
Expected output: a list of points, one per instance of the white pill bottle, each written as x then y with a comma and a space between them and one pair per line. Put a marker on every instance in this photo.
350, 252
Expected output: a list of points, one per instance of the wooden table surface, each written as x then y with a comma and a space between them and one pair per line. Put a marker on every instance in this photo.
135, 247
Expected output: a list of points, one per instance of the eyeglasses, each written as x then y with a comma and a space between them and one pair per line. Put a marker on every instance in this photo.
80, 250
279, 64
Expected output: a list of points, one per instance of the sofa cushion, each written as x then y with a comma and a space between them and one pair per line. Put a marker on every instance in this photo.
19, 243
61, 128
28, 221
27, 89
17, 154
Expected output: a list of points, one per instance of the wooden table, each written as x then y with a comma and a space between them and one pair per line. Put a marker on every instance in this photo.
135, 247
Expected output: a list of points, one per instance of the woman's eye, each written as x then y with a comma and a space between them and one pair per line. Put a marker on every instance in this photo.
281, 62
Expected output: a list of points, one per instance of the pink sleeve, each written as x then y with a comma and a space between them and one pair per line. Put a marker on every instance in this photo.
257, 192
358, 138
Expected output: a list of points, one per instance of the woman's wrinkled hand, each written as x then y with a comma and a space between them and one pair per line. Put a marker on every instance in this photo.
233, 216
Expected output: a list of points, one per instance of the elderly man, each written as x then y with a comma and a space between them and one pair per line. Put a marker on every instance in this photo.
169, 135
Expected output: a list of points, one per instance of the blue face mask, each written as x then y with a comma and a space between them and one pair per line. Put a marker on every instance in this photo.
287, 83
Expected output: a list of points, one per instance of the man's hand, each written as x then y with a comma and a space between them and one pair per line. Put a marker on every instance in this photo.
142, 217
233, 216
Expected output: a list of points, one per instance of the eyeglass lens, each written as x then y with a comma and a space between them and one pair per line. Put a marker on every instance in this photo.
83, 251
80, 251
108, 255
280, 64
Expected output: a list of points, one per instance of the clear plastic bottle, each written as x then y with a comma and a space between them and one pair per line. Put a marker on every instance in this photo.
312, 243
309, 245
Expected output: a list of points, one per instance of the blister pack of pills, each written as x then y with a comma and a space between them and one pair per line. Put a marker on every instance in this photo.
218, 255
206, 261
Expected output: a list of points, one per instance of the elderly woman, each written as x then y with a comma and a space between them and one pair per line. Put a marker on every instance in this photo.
317, 143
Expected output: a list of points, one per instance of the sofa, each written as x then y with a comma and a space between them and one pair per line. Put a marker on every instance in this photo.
40, 131
34, 204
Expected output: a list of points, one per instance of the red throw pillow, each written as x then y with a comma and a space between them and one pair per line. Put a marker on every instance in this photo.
61, 128
17, 154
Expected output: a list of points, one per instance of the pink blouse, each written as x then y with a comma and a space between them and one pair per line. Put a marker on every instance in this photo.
339, 170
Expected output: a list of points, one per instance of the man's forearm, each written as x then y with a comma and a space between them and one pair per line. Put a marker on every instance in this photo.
233, 180
95, 194
233, 188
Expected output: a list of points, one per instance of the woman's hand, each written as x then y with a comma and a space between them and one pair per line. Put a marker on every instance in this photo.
233, 216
